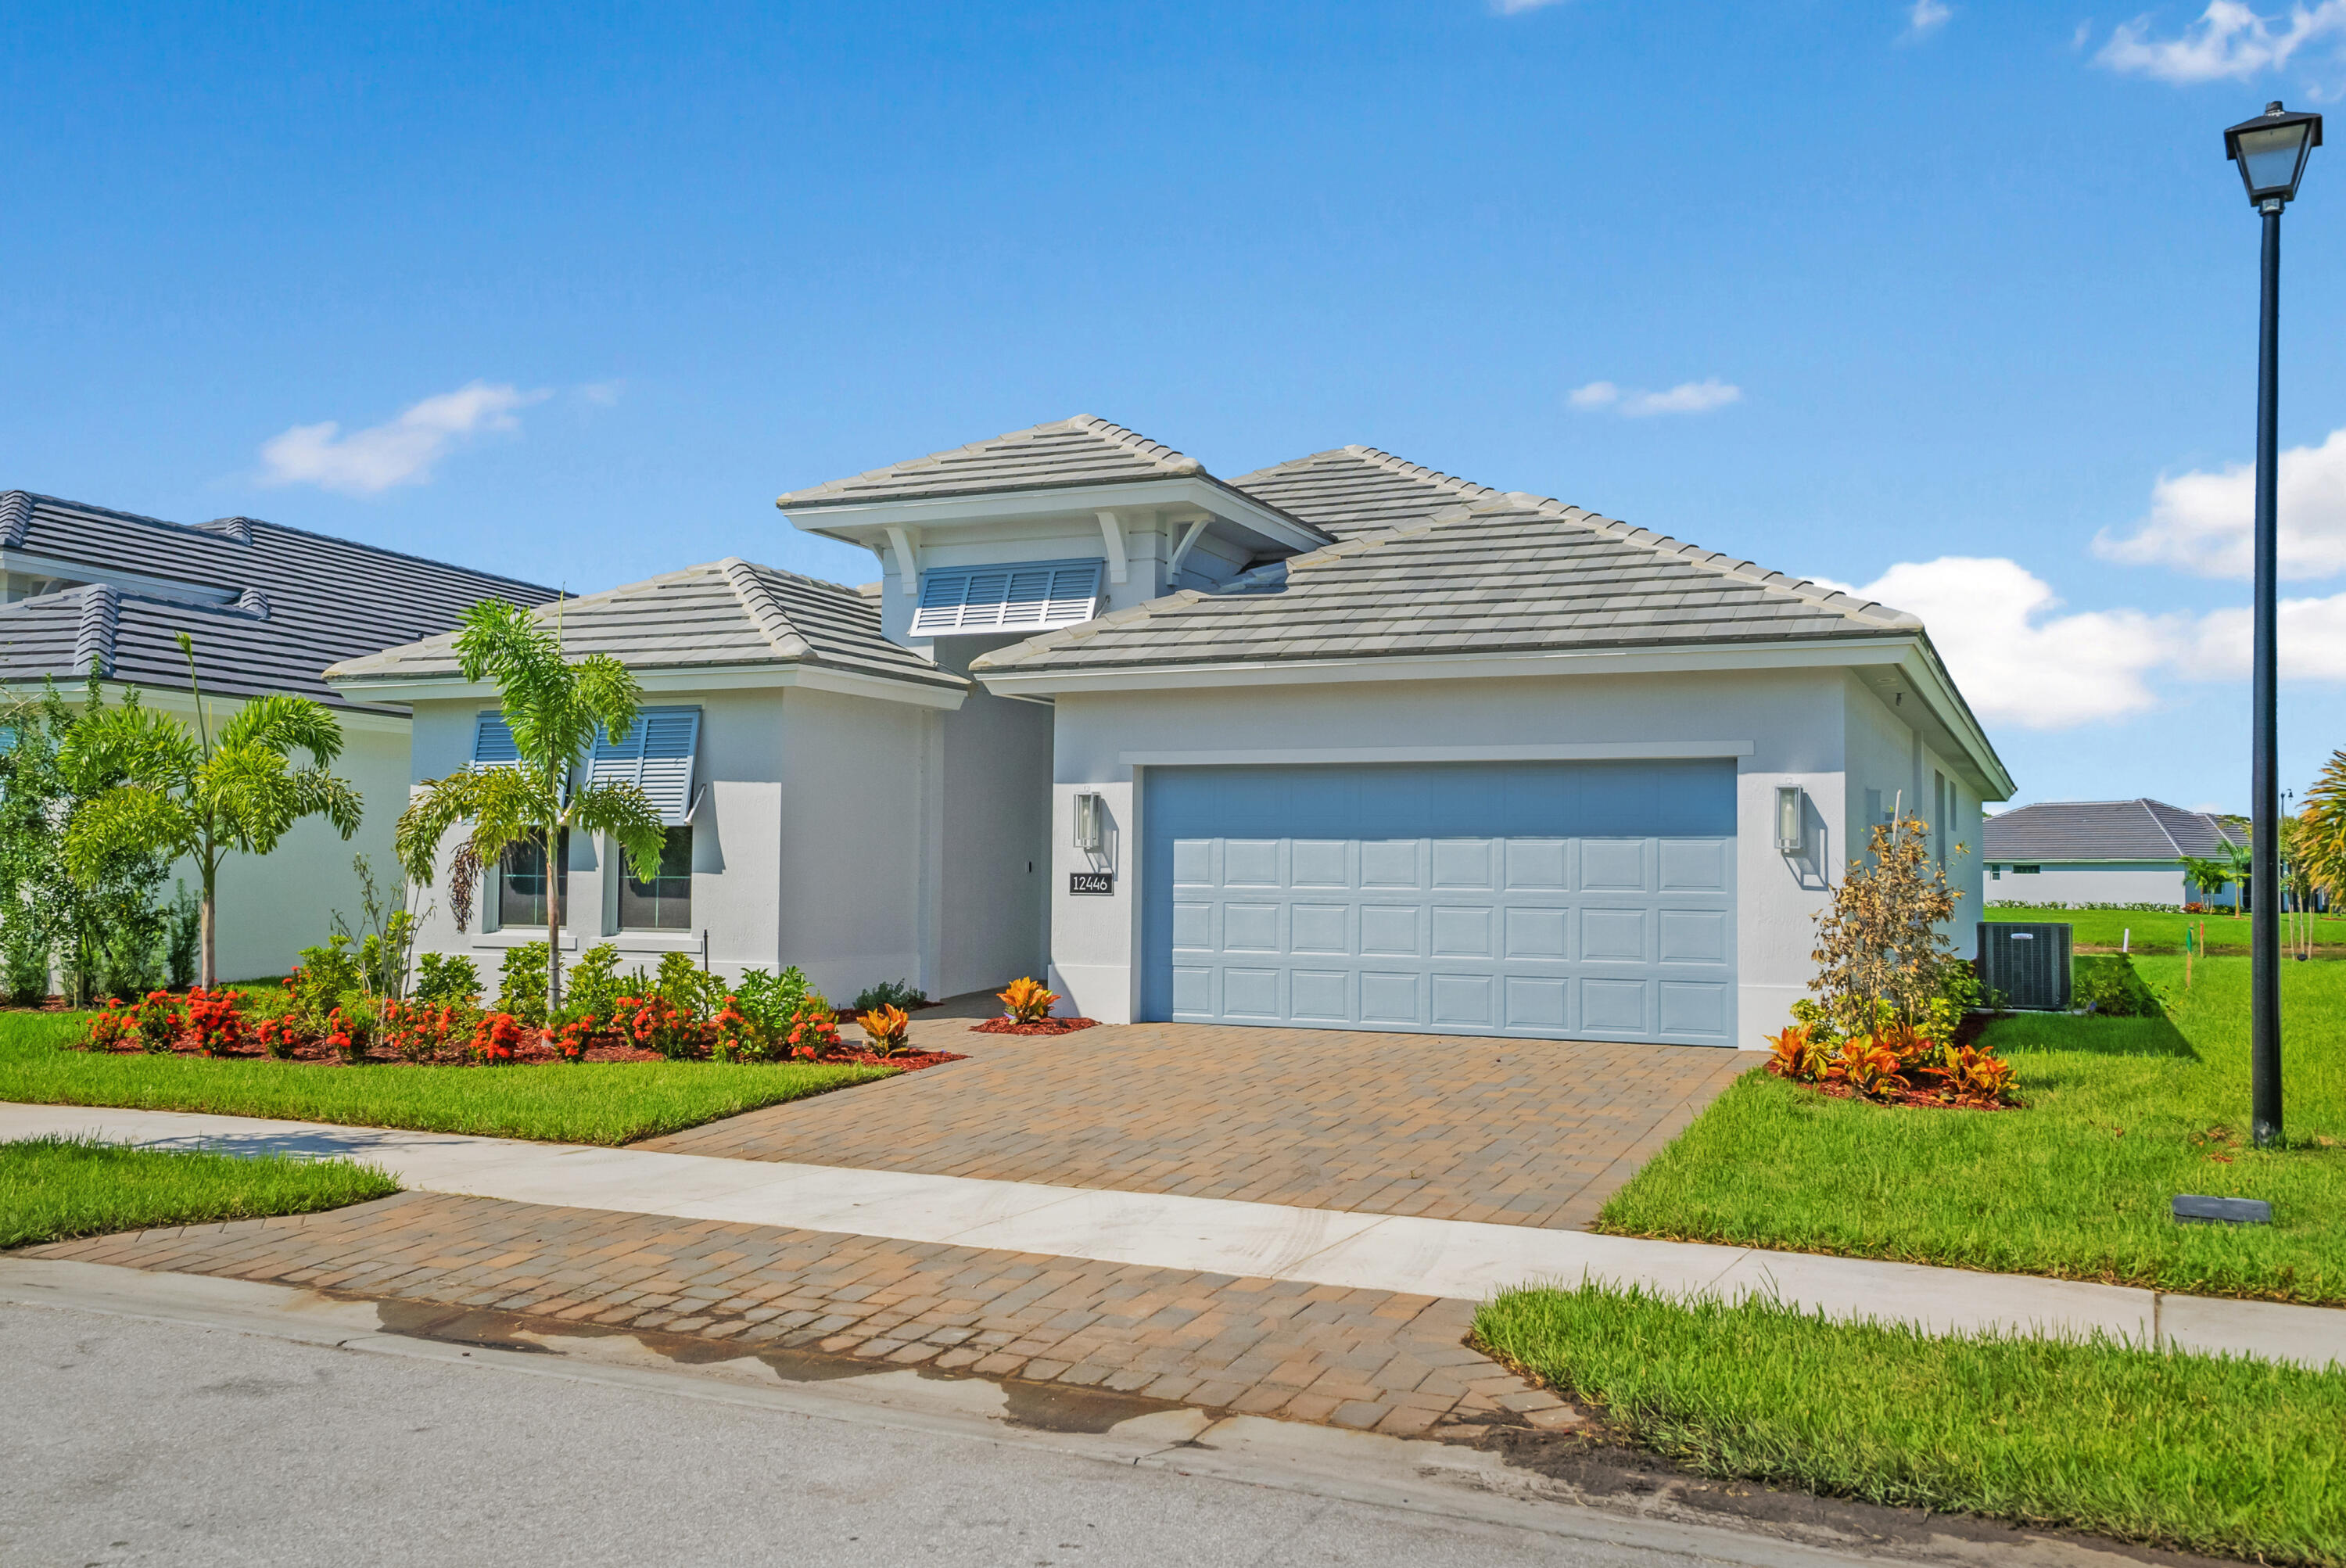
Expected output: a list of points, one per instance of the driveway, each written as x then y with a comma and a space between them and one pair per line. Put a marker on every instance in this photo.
1510, 1132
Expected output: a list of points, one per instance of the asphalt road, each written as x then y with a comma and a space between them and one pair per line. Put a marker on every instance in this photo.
131, 1441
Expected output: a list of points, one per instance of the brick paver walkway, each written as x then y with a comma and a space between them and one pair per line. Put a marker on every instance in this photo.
1512, 1132
1361, 1358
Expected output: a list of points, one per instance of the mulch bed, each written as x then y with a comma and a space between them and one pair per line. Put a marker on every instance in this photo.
1920, 1098
536, 1054
910, 1061
1046, 1026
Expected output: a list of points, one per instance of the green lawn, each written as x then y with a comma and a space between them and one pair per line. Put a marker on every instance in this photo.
2232, 1456
580, 1102
2157, 931
2123, 1115
52, 1188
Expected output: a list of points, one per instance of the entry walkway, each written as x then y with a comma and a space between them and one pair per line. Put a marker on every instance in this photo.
1405, 1254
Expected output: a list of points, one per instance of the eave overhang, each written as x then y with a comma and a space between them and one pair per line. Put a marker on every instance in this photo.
866, 523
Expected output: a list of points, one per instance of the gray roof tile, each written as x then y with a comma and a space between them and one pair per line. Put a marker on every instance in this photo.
293, 602
728, 612
2137, 830
1084, 450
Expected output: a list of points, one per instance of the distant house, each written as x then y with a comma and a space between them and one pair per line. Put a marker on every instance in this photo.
86, 590
2103, 851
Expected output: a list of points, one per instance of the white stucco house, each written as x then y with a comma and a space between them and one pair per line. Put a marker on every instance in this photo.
87, 590
2106, 851
1344, 742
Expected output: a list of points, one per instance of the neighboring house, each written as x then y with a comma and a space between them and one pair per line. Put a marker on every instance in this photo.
2104, 851
1343, 743
92, 590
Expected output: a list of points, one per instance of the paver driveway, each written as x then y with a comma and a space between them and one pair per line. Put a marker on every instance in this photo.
1510, 1131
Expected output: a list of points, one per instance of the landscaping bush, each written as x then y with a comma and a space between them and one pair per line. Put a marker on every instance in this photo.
446, 977
1025, 1001
886, 1028
2111, 987
520, 983
901, 993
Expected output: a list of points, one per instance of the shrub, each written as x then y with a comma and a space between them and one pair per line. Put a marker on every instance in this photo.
421, 1032
1868, 1067
897, 993
496, 1036
2111, 988
591, 988
1879, 943
446, 977
326, 973
213, 1018
1025, 1001
758, 1017
183, 936
157, 1022
885, 1027
813, 1031
1796, 1054
25, 960
520, 983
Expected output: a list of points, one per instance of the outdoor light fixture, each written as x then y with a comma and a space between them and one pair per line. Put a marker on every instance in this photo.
2271, 150
1791, 819
1091, 824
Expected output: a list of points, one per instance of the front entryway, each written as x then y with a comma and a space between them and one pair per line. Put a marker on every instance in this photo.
1589, 900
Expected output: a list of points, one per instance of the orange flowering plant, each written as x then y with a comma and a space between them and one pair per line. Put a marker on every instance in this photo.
885, 1028
1026, 1001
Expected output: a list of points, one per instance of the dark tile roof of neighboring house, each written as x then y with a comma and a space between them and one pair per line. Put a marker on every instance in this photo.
1490, 575
270, 608
728, 612
2138, 829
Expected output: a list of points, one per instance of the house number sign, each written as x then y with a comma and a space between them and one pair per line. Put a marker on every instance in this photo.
1091, 881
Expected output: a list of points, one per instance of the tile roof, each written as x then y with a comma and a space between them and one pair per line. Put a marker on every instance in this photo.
1084, 450
728, 612
269, 607
2137, 830
1498, 573
1358, 490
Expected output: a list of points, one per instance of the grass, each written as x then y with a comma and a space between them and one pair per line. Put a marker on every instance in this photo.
579, 1103
2209, 1454
2123, 1115
52, 1188
2157, 930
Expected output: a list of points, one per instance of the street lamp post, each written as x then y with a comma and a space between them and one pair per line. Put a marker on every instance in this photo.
2270, 151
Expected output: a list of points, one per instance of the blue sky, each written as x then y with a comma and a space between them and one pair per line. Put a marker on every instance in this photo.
1955, 301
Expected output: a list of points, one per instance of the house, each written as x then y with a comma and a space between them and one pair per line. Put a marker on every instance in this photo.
1343, 743
2104, 851
90, 590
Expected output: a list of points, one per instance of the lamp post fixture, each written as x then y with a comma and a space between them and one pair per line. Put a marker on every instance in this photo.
2270, 151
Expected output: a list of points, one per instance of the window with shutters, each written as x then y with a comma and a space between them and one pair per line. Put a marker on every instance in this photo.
1027, 597
663, 901
521, 883
492, 741
655, 755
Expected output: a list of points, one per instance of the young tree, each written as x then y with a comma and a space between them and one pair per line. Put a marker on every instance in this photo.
101, 935
173, 792
2243, 861
1878, 942
553, 707
2322, 829
2210, 876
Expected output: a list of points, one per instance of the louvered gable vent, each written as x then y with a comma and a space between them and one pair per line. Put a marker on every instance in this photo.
1028, 598
655, 757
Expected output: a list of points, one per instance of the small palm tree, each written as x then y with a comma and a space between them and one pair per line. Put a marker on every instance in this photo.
553, 707
2243, 859
2210, 876
201, 796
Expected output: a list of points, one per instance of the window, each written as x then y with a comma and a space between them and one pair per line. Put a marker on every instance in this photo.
1996, 873
520, 884
665, 901
1022, 598
2026, 871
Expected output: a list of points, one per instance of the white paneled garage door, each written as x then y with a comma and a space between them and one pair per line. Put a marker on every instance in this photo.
1557, 900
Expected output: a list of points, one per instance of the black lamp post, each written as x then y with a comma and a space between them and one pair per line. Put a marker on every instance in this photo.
2271, 151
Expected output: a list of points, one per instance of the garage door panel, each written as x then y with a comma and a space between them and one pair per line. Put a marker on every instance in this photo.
1547, 899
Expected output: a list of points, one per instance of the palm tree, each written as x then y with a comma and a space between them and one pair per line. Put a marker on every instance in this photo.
2243, 861
198, 795
2321, 829
554, 708
2210, 876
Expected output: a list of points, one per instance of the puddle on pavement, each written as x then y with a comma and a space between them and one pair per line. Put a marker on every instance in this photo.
1042, 1406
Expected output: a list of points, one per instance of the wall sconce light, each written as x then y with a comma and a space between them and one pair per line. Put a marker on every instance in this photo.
1091, 823
1791, 819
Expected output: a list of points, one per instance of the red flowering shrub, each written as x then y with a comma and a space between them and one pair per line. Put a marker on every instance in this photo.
277, 1035
213, 1018
496, 1036
655, 1023
574, 1037
110, 1029
420, 1031
156, 1020
813, 1032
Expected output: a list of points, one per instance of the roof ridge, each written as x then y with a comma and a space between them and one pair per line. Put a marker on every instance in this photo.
1394, 464
764, 610
15, 517
2149, 809
101, 612
1170, 459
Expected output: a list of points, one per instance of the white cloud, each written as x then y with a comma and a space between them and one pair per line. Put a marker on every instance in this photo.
2018, 661
400, 452
602, 394
1687, 397
1927, 16
2229, 42
2204, 522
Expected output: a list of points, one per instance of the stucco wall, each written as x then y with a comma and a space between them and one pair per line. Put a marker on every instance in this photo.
1890, 768
2134, 882
995, 858
1792, 720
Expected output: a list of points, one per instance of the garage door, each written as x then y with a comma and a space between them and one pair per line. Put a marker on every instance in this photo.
1589, 900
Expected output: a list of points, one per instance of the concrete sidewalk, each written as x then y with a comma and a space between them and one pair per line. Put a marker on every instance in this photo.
1435, 1257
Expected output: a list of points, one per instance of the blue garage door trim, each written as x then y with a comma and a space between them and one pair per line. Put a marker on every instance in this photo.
1547, 899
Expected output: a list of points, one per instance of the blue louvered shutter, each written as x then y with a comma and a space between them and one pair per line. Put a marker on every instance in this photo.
492, 742
655, 757
1021, 598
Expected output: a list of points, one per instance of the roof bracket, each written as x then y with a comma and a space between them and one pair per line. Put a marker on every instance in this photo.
908, 560
1197, 531
1112, 536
